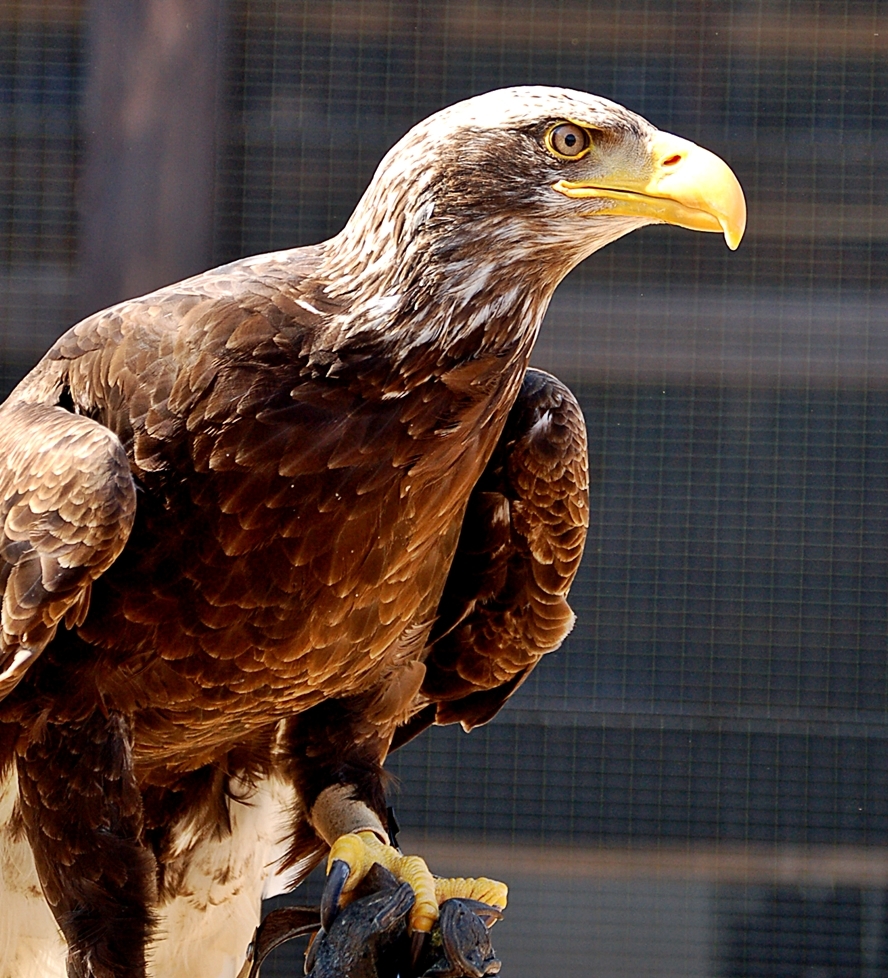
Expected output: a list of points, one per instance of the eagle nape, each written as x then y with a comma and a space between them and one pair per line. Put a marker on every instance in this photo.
262, 526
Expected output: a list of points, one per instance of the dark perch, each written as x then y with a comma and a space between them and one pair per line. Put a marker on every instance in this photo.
369, 937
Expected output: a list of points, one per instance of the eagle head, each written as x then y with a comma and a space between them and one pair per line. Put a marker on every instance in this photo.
539, 173
482, 208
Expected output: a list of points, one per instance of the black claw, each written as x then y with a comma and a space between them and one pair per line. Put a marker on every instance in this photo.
336, 880
417, 945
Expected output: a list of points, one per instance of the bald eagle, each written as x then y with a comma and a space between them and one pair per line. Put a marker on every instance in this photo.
263, 525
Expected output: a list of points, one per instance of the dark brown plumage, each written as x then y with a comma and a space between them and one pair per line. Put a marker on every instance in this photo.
257, 522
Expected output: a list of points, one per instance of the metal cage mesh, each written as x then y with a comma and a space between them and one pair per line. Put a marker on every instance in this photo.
724, 695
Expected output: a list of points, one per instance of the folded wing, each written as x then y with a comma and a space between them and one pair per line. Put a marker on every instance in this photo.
67, 503
505, 602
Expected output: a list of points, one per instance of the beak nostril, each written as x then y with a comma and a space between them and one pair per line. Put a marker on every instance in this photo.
672, 160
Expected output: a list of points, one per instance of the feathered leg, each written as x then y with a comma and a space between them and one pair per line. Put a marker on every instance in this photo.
83, 816
336, 756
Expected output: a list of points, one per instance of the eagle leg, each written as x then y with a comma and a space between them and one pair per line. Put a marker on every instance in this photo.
82, 813
336, 752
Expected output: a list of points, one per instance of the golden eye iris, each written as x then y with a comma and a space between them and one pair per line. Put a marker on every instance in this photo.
568, 140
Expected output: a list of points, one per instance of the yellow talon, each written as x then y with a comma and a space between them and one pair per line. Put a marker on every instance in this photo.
491, 892
354, 851
360, 850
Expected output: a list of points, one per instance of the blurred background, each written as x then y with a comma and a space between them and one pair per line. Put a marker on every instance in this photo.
696, 785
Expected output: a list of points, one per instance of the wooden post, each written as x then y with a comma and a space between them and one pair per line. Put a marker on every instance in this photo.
150, 120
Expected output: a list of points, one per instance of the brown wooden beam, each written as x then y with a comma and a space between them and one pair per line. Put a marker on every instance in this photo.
710, 862
150, 122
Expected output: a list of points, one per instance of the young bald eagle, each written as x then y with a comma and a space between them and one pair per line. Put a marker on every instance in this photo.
262, 524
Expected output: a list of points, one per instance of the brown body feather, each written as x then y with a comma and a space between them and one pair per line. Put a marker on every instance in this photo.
269, 484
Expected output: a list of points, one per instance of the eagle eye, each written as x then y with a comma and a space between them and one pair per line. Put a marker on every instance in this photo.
568, 141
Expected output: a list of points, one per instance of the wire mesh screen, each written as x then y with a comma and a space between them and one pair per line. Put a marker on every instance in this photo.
40, 71
697, 782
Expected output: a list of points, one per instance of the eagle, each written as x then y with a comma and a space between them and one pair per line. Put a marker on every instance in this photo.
260, 527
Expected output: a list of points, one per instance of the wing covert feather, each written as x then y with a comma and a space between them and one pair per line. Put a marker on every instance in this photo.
67, 503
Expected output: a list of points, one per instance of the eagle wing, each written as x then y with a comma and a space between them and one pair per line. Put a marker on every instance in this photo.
505, 601
67, 504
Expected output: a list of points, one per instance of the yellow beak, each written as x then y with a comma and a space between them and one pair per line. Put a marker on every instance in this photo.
684, 185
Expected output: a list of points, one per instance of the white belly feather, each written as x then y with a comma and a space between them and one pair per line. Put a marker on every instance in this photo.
203, 930
31, 944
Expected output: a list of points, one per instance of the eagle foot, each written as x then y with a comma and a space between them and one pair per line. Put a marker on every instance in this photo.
353, 855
